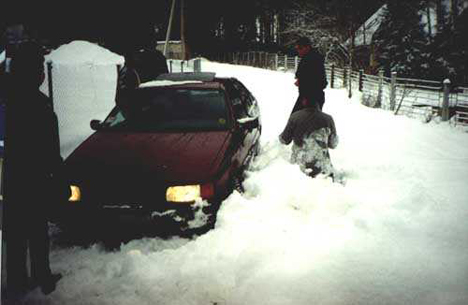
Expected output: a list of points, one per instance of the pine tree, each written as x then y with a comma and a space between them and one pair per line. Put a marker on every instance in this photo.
402, 41
449, 49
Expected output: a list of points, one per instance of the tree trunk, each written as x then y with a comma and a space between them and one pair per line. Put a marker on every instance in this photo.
440, 15
429, 19
454, 12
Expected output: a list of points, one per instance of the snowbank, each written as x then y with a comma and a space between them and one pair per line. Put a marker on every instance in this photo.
395, 233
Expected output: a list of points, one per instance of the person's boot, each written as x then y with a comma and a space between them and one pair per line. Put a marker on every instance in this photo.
48, 285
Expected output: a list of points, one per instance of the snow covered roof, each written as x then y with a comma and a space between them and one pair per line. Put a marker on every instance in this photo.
83, 52
367, 30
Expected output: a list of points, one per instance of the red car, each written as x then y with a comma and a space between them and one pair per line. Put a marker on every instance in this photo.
182, 139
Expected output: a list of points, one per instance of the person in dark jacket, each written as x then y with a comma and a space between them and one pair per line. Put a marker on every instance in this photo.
312, 132
141, 66
310, 75
32, 169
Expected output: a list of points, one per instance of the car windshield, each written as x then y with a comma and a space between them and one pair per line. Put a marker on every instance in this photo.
162, 109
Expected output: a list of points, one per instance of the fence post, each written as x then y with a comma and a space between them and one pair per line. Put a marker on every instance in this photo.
345, 77
286, 62
170, 66
393, 91
182, 66
49, 81
445, 102
350, 82
276, 62
296, 62
361, 80
379, 96
332, 76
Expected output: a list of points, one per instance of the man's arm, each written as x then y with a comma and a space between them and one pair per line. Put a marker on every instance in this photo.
333, 137
287, 134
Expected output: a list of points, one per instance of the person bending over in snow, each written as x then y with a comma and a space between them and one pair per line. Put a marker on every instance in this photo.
312, 133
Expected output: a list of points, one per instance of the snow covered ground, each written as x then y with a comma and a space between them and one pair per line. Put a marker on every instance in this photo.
395, 233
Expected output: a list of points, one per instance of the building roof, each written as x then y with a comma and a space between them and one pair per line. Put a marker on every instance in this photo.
367, 29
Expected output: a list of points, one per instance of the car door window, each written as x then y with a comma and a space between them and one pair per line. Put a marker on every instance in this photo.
238, 105
248, 101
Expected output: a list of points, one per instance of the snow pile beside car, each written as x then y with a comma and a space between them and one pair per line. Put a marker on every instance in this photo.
84, 79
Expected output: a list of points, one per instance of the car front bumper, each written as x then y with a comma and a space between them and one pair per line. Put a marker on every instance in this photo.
83, 213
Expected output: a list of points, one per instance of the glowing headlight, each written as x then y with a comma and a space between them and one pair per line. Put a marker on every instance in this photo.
186, 193
75, 193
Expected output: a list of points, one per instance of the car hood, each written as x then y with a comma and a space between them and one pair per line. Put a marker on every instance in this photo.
173, 157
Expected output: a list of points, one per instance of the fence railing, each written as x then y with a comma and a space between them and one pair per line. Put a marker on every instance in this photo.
411, 97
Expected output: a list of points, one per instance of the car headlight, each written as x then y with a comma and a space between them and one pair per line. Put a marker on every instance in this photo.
189, 193
185, 193
75, 193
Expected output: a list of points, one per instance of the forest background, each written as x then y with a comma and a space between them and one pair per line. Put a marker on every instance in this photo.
422, 39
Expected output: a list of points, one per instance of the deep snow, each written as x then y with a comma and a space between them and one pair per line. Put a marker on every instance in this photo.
395, 233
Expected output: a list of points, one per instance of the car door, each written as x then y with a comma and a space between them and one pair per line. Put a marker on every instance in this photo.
245, 112
251, 106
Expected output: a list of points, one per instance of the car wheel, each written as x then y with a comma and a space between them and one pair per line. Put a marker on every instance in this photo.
197, 231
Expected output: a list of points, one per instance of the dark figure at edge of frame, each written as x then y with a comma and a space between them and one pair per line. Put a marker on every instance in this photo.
311, 78
34, 179
312, 132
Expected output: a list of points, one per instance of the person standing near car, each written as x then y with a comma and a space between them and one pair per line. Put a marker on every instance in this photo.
32, 174
140, 66
310, 75
312, 132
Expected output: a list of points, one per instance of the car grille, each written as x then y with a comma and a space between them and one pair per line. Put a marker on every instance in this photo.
124, 190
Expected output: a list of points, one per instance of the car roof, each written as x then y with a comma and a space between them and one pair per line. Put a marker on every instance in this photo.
186, 80
188, 76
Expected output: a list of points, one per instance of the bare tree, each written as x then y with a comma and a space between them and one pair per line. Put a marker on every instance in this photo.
303, 19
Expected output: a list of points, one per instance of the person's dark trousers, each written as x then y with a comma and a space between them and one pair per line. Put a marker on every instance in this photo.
16, 244
318, 98
25, 230
39, 250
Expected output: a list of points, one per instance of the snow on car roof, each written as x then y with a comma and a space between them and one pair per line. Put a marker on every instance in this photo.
162, 83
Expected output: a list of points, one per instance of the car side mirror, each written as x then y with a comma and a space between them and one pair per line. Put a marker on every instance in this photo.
95, 125
249, 123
